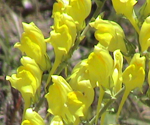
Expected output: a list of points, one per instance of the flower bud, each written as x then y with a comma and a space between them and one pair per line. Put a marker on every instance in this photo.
109, 34
144, 36
134, 74
117, 73
133, 77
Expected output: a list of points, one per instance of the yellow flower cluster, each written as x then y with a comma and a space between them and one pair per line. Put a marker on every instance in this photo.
106, 73
67, 24
28, 77
69, 100
66, 103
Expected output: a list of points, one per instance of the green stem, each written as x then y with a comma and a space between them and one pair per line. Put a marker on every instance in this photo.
134, 24
100, 4
91, 122
101, 94
39, 103
139, 46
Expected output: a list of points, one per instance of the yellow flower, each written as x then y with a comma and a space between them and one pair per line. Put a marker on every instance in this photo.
134, 74
109, 34
97, 68
125, 7
75, 103
56, 121
85, 87
117, 73
73, 8
99, 62
62, 37
62, 20
27, 80
59, 89
32, 118
144, 36
57, 106
68, 104
133, 77
33, 45
81, 98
